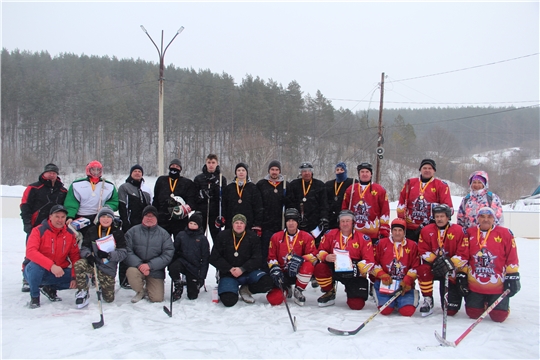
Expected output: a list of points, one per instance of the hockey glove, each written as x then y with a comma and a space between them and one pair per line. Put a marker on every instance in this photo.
463, 283
441, 266
294, 265
257, 230
324, 224
511, 281
385, 278
220, 222
102, 254
277, 275
91, 260
406, 284
181, 211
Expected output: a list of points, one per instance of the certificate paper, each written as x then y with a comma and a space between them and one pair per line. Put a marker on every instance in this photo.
343, 261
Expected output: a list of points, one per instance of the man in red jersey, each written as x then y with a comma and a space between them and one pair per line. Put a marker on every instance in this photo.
493, 267
347, 256
419, 195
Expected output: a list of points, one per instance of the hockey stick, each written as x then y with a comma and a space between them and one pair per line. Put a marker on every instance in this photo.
407, 185
445, 342
101, 322
283, 209
445, 306
167, 311
352, 193
207, 232
355, 331
293, 321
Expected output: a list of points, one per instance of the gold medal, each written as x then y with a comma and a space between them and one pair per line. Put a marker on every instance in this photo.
421, 197
361, 202
239, 201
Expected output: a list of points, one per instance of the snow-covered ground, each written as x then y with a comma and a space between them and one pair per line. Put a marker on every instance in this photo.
203, 329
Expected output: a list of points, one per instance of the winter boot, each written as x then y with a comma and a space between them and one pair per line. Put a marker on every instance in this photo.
245, 294
34, 303
25, 286
124, 283
427, 306
193, 287
327, 299
138, 296
178, 290
299, 297
82, 298
50, 293
183, 280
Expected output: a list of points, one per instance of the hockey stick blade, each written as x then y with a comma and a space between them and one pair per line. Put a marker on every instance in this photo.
355, 331
99, 324
167, 311
444, 342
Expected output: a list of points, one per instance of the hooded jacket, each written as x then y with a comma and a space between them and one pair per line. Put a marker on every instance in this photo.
38, 199
476, 200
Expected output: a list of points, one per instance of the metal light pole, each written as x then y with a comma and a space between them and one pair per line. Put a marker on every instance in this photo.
161, 54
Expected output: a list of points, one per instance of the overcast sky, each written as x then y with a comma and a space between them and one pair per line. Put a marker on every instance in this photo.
340, 49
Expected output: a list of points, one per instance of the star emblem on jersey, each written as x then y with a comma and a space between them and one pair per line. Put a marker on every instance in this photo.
433, 190
450, 236
498, 239
407, 250
373, 193
355, 245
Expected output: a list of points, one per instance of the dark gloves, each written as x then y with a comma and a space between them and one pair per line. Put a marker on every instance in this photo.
511, 281
27, 228
294, 265
257, 230
277, 275
220, 222
463, 283
91, 260
441, 266
324, 224
102, 254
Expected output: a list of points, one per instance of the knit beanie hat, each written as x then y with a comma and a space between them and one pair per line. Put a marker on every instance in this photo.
241, 165
150, 209
196, 217
274, 163
51, 167
479, 178
176, 162
240, 217
428, 162
104, 211
136, 167
486, 211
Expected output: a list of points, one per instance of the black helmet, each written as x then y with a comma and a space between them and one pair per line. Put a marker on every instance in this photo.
442, 208
292, 213
365, 165
344, 213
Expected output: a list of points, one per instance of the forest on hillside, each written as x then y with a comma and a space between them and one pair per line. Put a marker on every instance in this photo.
70, 109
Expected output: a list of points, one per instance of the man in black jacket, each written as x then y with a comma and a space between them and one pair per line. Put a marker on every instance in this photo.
237, 256
209, 185
37, 201
174, 197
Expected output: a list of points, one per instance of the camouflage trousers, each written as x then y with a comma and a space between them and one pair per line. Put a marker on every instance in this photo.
83, 270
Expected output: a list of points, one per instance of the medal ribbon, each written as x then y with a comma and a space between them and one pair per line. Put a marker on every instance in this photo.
440, 239
99, 230
423, 186
238, 189
341, 243
304, 187
236, 246
274, 184
398, 254
93, 186
336, 189
483, 245
172, 186
363, 192
289, 248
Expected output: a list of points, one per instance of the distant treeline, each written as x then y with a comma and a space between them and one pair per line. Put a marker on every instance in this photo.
70, 109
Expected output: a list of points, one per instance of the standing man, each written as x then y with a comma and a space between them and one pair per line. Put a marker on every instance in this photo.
419, 195
149, 250
272, 189
493, 268
133, 197
209, 185
291, 257
308, 196
242, 197
172, 214
237, 256
396, 261
352, 246
37, 200
443, 247
369, 205
87, 195
51, 249
335, 190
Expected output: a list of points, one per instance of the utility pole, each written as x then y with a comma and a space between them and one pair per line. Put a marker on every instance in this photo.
161, 54
380, 138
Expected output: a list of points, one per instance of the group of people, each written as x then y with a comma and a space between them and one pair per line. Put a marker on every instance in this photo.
268, 237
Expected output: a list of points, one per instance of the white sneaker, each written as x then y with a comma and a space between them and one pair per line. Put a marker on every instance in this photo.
82, 298
427, 306
138, 297
245, 294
